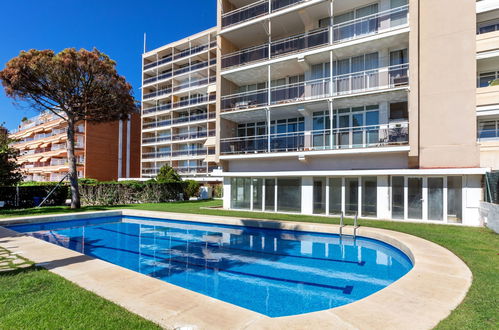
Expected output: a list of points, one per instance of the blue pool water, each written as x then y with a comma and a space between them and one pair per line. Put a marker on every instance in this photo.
272, 272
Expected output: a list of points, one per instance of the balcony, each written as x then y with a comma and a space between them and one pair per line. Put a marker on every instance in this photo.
179, 71
335, 139
358, 82
341, 32
255, 10
176, 153
181, 104
182, 54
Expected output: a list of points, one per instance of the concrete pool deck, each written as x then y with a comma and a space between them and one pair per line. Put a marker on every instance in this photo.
422, 298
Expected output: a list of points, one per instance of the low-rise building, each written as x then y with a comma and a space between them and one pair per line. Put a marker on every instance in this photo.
104, 151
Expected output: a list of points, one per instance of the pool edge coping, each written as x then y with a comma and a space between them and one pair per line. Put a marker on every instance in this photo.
440, 278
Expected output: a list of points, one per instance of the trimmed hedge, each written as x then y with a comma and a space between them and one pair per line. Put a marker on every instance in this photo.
105, 194
31, 196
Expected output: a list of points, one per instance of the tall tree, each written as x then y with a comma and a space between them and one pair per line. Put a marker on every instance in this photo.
74, 85
10, 173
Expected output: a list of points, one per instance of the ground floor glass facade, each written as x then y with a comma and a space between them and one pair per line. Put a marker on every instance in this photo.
435, 198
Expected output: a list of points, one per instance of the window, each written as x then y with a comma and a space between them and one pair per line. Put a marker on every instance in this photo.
351, 196
269, 194
319, 195
369, 196
398, 197
335, 185
399, 111
257, 194
454, 199
289, 195
240, 193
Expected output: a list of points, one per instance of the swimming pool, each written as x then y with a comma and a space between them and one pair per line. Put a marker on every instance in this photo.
272, 272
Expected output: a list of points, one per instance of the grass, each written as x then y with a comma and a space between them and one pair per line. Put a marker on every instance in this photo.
33, 298
477, 247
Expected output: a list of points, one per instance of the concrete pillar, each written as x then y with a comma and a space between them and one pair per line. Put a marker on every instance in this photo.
472, 196
227, 191
384, 198
307, 195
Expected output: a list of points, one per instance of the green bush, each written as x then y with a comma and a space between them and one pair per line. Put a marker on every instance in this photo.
218, 191
120, 193
30, 196
191, 189
167, 174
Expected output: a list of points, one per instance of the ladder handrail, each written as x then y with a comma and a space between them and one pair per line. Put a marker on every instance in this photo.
342, 224
355, 225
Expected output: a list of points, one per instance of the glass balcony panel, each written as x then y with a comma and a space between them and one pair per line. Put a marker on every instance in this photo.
245, 100
281, 4
304, 41
348, 137
245, 13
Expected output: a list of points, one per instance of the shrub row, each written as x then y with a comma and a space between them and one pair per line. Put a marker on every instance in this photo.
131, 193
30, 196
95, 193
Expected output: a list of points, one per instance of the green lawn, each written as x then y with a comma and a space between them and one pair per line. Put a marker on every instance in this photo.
34, 298
478, 247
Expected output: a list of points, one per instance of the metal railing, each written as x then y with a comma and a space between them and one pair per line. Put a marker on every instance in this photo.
342, 138
184, 53
175, 153
353, 29
351, 83
179, 71
182, 103
255, 10
488, 134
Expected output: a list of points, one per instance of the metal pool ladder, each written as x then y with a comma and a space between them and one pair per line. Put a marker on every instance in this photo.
355, 225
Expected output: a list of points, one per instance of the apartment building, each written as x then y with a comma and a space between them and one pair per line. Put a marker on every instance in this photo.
356, 107
488, 82
178, 107
105, 151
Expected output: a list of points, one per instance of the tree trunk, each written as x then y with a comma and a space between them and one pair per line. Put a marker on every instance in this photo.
73, 173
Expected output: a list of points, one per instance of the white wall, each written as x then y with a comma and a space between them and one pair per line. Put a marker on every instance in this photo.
226, 197
472, 196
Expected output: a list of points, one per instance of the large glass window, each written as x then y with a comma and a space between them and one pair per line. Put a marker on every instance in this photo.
351, 196
257, 194
240, 193
398, 197
369, 196
335, 195
319, 195
269, 194
435, 198
289, 195
415, 198
454, 199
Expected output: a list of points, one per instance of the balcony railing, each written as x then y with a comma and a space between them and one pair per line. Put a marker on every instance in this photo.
341, 32
342, 138
488, 134
245, 13
157, 93
182, 103
184, 53
255, 10
179, 137
180, 120
181, 169
179, 71
175, 153
351, 83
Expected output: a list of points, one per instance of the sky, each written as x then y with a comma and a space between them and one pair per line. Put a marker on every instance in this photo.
115, 27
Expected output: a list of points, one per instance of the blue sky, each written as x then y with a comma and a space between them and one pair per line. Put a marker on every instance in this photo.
115, 27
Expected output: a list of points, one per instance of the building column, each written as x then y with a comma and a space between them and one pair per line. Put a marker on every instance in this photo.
227, 193
383, 198
307, 195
